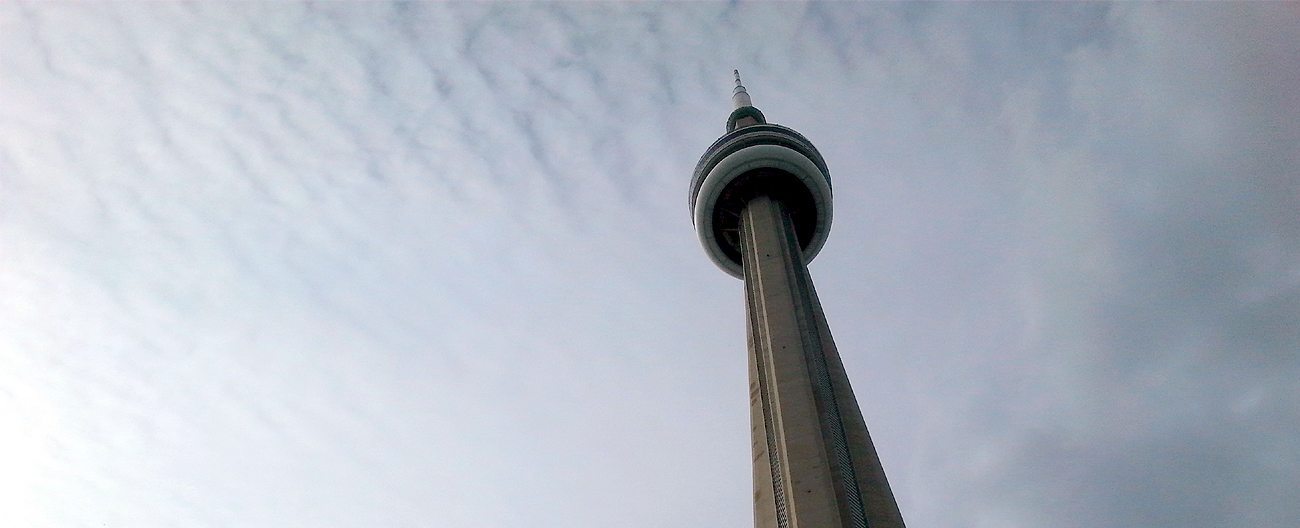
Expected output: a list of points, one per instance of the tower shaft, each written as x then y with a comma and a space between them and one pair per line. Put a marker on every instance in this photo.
814, 463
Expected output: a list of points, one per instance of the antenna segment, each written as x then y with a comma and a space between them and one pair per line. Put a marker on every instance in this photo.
740, 97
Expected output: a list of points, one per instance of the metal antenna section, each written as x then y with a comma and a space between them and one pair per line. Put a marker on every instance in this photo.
740, 97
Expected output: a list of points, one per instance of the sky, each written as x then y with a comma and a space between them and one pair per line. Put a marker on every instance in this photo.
431, 265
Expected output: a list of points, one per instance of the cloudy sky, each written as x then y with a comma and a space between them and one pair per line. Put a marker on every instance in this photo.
426, 265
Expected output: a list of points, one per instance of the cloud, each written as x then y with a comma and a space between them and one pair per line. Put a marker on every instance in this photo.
424, 264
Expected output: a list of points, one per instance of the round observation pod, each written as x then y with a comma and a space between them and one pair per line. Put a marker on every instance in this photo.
752, 160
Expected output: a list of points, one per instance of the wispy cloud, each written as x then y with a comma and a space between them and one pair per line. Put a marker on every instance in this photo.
412, 264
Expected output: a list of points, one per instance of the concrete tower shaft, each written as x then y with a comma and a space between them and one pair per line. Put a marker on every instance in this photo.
814, 462
761, 203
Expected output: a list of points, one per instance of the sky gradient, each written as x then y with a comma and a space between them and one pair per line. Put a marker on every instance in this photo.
356, 265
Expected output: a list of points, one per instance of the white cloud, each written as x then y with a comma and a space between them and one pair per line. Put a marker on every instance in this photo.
292, 265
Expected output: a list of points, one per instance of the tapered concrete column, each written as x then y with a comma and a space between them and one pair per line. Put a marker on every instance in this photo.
814, 463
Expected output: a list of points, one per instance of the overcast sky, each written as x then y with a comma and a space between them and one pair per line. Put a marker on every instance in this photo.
425, 265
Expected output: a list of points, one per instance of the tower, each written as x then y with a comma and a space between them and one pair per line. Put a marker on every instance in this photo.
761, 203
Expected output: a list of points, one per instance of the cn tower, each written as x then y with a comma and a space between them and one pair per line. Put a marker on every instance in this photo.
761, 203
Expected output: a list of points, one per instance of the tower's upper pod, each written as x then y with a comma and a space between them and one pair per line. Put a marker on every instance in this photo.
758, 158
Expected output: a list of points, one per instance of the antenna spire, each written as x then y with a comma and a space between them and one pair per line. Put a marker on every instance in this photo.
740, 97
